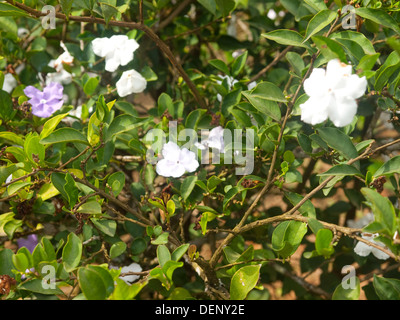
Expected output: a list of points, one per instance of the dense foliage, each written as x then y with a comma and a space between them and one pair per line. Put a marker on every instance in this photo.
209, 149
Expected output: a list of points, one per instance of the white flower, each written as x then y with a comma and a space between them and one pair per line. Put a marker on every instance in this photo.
271, 14
61, 75
333, 94
176, 161
9, 83
117, 50
133, 267
215, 140
362, 249
22, 32
130, 82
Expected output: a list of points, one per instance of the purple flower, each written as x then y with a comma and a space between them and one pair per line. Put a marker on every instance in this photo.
45, 103
30, 242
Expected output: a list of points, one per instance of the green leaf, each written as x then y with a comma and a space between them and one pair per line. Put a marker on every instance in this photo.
243, 281
286, 37
117, 182
287, 237
109, 11
193, 118
323, 243
51, 124
341, 293
307, 209
238, 64
225, 6
356, 37
124, 291
90, 207
339, 141
123, 123
108, 227
367, 62
33, 148
170, 207
229, 196
65, 135
95, 283
6, 105
317, 5
117, 249
378, 16
71, 190
329, 48
36, 286
163, 255
9, 10
169, 268
319, 22
72, 252
386, 288
6, 264
389, 167
178, 253
90, 86
165, 103
262, 101
12, 137
66, 6
210, 5
384, 73
220, 65
382, 208
161, 239
187, 186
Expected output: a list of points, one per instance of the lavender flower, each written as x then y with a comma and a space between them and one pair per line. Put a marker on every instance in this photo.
45, 103
30, 242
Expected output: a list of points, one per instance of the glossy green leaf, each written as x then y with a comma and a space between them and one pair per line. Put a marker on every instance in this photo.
389, 167
108, 227
323, 243
319, 22
382, 208
286, 37
36, 286
243, 281
94, 283
72, 252
163, 255
386, 288
9, 10
341, 293
65, 135
379, 16
187, 186
116, 181
287, 237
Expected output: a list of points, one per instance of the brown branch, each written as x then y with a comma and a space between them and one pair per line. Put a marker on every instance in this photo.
173, 15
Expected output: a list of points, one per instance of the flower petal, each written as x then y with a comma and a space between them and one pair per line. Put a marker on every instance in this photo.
315, 110
342, 111
315, 85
